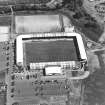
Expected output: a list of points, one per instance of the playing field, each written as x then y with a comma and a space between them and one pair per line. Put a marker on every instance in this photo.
50, 51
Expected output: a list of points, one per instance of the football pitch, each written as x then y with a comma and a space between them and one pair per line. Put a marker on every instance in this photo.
50, 51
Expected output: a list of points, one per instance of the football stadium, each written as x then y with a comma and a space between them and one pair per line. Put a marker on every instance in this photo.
53, 47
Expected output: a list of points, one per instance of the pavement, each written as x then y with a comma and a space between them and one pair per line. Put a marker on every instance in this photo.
94, 93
